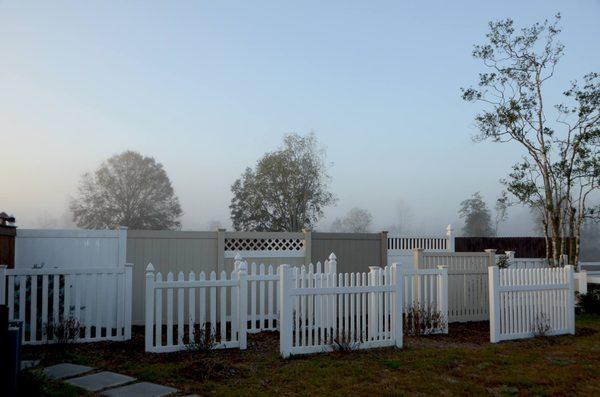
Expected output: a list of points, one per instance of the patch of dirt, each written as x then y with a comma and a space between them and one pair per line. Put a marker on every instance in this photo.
470, 334
584, 331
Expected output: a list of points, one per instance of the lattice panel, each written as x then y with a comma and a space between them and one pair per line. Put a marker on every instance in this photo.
264, 244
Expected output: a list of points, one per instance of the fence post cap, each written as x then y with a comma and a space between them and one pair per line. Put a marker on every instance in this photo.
129, 265
490, 250
332, 257
238, 257
123, 227
373, 268
149, 268
442, 266
3, 266
449, 230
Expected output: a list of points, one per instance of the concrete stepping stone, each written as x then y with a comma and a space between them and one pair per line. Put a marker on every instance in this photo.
142, 389
65, 370
26, 364
100, 381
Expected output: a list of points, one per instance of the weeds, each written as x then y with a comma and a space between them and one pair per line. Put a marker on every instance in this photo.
423, 320
541, 326
343, 342
203, 339
64, 332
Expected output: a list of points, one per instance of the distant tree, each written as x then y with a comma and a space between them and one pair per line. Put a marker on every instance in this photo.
357, 220
286, 191
501, 208
404, 218
129, 190
478, 221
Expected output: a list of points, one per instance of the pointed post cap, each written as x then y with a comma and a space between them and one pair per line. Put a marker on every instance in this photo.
449, 230
149, 268
332, 257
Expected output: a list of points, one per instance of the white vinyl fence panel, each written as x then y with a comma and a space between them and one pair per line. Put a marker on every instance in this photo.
213, 305
92, 303
70, 248
351, 309
524, 302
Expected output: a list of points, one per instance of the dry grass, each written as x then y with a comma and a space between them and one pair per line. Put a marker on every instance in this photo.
461, 363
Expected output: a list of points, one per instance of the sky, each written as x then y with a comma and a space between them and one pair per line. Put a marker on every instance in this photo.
207, 87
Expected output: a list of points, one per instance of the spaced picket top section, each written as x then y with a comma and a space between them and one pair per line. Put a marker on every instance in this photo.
94, 301
263, 284
206, 314
524, 300
400, 247
467, 281
354, 309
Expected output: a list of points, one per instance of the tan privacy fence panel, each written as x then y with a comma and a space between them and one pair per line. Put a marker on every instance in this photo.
467, 281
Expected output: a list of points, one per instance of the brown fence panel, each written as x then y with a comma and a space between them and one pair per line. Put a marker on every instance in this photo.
7, 246
524, 247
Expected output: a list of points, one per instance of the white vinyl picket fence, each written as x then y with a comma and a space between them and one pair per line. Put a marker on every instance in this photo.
214, 306
351, 309
263, 284
91, 303
427, 289
524, 302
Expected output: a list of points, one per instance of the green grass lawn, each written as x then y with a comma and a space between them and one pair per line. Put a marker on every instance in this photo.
460, 363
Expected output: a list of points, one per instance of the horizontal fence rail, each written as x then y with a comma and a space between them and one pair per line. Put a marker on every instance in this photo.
69, 305
526, 302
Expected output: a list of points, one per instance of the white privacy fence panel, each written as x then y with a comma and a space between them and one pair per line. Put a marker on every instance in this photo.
70, 248
264, 245
400, 247
524, 302
92, 304
193, 307
467, 281
352, 309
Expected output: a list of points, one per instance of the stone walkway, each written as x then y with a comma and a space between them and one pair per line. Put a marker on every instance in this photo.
104, 382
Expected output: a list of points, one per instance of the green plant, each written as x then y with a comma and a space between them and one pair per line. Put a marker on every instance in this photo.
202, 339
503, 262
541, 326
589, 303
423, 320
343, 342
65, 331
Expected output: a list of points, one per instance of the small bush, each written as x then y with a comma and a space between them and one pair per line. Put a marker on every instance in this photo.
502, 262
203, 339
343, 342
423, 320
64, 332
589, 303
541, 326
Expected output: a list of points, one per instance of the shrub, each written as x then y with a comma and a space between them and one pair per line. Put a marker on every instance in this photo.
343, 342
590, 303
541, 326
64, 331
203, 338
423, 320
502, 262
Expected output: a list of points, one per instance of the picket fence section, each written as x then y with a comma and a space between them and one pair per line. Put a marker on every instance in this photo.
263, 284
215, 310
350, 309
526, 302
427, 289
89, 304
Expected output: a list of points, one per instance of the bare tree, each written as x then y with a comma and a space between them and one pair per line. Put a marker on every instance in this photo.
286, 191
129, 190
404, 218
357, 220
559, 169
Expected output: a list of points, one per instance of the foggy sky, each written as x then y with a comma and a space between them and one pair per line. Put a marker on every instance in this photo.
208, 87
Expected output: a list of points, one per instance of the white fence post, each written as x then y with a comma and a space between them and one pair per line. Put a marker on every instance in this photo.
582, 281
285, 311
510, 257
416, 284
570, 299
128, 294
2, 284
442, 294
150, 307
243, 303
450, 236
332, 264
494, 295
492, 256
398, 277
373, 303
122, 245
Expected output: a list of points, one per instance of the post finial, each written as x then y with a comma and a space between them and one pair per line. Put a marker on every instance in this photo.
449, 230
332, 257
149, 268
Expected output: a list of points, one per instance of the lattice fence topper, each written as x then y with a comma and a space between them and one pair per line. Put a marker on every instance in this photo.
264, 244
